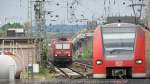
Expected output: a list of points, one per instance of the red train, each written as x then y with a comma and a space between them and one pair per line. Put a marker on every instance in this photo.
60, 51
121, 50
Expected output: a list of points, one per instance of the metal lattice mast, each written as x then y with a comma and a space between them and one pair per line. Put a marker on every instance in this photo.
29, 23
29, 35
39, 8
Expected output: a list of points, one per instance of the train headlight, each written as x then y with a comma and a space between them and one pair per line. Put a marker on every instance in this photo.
55, 54
139, 61
99, 62
68, 54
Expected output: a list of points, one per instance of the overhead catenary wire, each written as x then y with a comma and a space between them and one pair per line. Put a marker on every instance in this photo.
141, 9
114, 2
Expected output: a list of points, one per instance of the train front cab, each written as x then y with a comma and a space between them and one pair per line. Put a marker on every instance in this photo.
63, 53
121, 52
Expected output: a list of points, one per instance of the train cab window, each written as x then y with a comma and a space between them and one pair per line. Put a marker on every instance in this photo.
118, 43
66, 46
58, 46
63, 46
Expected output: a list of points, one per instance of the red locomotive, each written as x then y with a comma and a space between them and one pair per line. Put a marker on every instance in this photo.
121, 50
60, 51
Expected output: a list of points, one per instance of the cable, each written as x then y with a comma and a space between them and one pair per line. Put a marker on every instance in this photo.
133, 10
20, 2
141, 8
114, 2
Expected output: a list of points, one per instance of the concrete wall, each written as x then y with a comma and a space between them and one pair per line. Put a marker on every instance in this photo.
24, 51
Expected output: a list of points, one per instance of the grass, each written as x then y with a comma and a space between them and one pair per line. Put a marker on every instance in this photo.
42, 75
87, 50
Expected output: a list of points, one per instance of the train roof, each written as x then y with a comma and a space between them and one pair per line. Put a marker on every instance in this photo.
120, 27
59, 41
124, 25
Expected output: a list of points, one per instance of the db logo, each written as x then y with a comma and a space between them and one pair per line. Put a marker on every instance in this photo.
119, 63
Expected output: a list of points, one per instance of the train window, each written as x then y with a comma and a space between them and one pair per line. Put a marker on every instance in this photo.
62, 46
66, 46
118, 45
58, 46
119, 36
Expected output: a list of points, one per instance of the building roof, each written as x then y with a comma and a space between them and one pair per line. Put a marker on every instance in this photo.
19, 38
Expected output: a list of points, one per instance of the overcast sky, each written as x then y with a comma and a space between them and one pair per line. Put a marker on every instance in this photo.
13, 10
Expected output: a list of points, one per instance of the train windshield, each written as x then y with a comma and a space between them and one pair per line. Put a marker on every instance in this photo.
66, 46
58, 46
63, 46
118, 43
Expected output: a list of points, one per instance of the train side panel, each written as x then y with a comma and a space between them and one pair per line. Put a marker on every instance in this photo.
139, 70
98, 71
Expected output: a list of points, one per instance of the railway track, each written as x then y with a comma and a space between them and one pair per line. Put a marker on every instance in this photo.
77, 70
85, 69
67, 72
84, 65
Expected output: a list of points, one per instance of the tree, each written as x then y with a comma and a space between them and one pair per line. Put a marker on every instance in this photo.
5, 27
